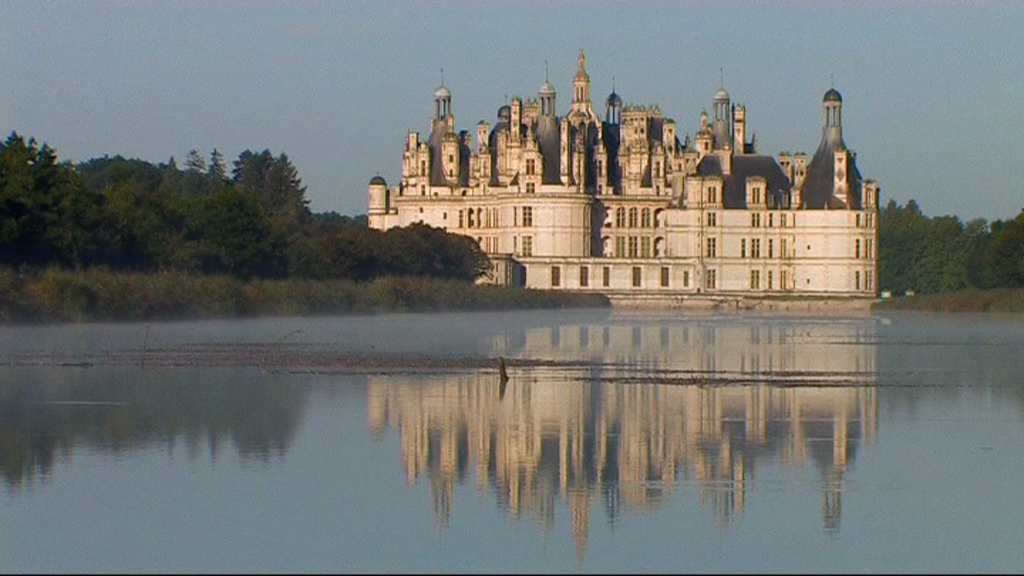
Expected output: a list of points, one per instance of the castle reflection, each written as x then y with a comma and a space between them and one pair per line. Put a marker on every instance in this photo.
620, 416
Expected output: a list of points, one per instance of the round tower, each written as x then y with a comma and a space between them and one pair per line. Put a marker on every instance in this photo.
377, 200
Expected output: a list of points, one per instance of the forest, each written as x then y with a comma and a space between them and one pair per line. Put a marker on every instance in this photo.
247, 220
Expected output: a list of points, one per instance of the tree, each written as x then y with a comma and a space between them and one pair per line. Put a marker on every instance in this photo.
194, 162
217, 170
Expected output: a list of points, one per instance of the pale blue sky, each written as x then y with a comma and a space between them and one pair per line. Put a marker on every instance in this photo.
933, 92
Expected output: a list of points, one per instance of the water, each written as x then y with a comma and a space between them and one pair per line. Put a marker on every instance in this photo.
622, 442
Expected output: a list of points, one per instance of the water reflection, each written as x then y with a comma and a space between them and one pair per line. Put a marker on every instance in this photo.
48, 413
625, 414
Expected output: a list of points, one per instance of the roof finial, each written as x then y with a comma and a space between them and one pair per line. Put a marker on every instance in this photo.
613, 83
721, 78
546, 70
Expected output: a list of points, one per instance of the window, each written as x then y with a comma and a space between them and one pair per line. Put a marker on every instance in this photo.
771, 220
856, 249
858, 220
755, 279
469, 218
771, 248
460, 218
782, 248
783, 280
709, 280
868, 249
606, 276
620, 217
712, 249
664, 276
686, 278
645, 247
755, 220
632, 217
584, 276
632, 246
645, 218
527, 245
530, 166
620, 247
755, 247
531, 188
556, 276
856, 281
712, 219
769, 279
743, 247
527, 216
636, 276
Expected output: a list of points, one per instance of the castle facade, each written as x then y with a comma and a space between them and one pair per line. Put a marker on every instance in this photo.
621, 205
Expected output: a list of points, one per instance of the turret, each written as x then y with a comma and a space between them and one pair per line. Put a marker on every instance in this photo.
378, 202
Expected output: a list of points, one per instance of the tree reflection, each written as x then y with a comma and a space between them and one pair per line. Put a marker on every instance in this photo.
48, 413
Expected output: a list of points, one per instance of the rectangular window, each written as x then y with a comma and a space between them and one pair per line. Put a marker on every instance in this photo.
460, 218
783, 280
769, 279
636, 276
856, 250
709, 280
755, 279
856, 281
584, 276
664, 276
782, 248
771, 248
531, 187
686, 278
527, 245
645, 247
771, 220
712, 219
556, 276
743, 247
712, 248
868, 249
632, 247
527, 216
606, 276
530, 167
755, 247
620, 246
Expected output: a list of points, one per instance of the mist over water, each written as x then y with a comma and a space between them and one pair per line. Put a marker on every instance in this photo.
622, 442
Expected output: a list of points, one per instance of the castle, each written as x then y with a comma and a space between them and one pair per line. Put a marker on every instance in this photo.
621, 206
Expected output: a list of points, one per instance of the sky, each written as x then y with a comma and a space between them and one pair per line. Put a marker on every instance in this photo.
933, 92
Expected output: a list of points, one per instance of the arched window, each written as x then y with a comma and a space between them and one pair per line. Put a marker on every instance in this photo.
620, 217
645, 218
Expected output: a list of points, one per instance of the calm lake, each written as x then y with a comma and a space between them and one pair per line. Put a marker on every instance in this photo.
620, 442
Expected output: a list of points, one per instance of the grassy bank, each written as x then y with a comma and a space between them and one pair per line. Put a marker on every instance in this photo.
996, 300
98, 295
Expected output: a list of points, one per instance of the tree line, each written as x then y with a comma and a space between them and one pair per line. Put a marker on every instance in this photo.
248, 220
944, 254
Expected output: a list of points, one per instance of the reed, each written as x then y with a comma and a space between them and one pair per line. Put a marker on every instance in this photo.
60, 295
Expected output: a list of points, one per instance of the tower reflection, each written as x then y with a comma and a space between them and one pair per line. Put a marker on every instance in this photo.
621, 415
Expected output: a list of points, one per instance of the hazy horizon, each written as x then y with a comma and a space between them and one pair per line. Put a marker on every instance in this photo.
931, 91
